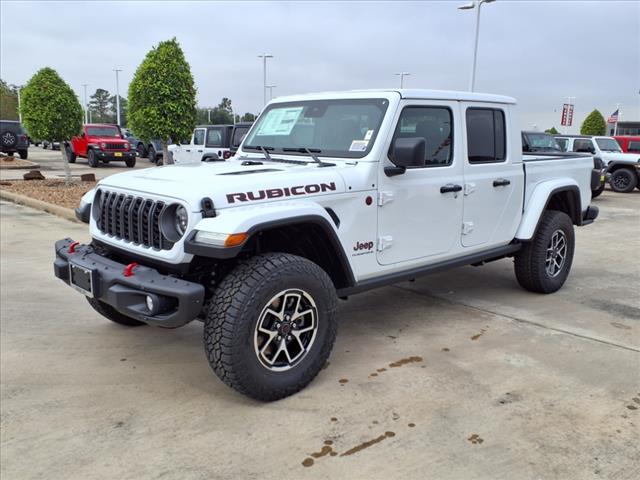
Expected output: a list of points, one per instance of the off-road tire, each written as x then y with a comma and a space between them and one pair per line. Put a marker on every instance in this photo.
110, 313
71, 157
151, 154
8, 139
142, 151
24, 154
623, 180
92, 159
130, 162
530, 261
234, 310
596, 193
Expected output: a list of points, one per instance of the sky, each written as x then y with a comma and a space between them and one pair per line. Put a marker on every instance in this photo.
539, 52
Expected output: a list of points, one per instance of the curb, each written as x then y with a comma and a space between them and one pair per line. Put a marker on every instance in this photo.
63, 212
19, 167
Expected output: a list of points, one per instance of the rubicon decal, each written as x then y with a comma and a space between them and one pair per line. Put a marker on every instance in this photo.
281, 192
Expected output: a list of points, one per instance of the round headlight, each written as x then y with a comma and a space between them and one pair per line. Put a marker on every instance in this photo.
126, 146
181, 220
103, 145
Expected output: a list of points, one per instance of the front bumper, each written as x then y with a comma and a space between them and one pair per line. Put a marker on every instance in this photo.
598, 177
183, 300
111, 156
589, 215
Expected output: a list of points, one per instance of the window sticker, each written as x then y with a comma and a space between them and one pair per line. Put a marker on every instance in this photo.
359, 145
368, 135
280, 121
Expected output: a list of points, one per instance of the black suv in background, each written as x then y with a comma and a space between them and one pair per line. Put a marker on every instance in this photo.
13, 138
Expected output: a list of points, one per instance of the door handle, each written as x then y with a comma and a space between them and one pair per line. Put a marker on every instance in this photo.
501, 182
187, 150
199, 151
450, 187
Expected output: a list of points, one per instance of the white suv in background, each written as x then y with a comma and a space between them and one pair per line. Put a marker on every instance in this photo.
624, 168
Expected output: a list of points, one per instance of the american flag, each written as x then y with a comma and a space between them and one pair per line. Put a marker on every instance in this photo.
613, 118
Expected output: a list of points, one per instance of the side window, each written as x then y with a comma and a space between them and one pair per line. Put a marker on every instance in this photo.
434, 124
238, 135
563, 143
214, 137
486, 135
198, 137
634, 146
583, 146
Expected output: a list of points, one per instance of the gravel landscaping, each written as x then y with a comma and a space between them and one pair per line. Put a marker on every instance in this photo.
50, 191
15, 162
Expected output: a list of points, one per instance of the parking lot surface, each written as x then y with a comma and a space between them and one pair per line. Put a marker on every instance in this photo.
461, 375
51, 165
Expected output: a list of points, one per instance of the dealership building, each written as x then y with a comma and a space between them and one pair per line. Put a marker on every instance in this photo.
624, 128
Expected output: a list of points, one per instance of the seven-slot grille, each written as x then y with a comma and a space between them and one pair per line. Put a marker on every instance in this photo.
133, 219
114, 146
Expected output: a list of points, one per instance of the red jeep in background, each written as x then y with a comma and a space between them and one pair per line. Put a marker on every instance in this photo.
629, 143
101, 142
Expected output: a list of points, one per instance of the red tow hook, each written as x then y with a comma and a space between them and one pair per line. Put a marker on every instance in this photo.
72, 247
128, 270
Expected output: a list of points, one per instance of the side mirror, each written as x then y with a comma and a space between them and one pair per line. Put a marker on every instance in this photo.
407, 152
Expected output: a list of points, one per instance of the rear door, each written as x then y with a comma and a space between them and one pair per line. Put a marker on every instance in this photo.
493, 176
215, 142
420, 211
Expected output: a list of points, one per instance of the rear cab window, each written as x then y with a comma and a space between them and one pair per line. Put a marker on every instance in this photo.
583, 145
214, 137
486, 135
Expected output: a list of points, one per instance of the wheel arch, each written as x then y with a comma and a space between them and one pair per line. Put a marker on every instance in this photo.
308, 234
563, 198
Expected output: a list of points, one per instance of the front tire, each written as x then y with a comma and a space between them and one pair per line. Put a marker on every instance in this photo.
142, 152
110, 313
270, 325
92, 158
623, 180
151, 154
543, 264
596, 193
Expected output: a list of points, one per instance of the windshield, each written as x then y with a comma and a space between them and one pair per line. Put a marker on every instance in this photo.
335, 128
608, 145
542, 141
103, 132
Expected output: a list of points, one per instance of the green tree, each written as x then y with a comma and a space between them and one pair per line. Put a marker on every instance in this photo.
162, 96
51, 110
100, 106
113, 110
8, 101
594, 124
552, 131
248, 117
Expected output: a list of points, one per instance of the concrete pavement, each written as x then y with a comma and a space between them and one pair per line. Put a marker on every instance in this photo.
461, 375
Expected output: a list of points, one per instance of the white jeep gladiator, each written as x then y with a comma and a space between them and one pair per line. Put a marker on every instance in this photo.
329, 195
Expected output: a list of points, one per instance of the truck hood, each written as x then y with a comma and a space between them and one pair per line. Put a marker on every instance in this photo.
231, 183
620, 157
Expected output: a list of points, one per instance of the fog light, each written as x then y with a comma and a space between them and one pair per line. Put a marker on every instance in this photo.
150, 303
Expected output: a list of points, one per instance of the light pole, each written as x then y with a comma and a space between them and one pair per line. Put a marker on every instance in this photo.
18, 88
86, 105
477, 4
264, 57
402, 75
209, 115
117, 96
271, 87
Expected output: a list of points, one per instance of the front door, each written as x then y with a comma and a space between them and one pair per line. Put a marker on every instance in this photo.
420, 211
493, 178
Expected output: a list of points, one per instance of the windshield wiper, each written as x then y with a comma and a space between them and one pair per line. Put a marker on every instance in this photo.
264, 150
312, 153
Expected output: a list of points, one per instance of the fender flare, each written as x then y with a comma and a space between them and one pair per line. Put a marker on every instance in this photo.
539, 201
312, 213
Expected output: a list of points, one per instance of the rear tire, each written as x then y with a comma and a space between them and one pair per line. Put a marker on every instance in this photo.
92, 158
270, 325
623, 180
23, 154
130, 162
110, 313
151, 154
543, 264
71, 157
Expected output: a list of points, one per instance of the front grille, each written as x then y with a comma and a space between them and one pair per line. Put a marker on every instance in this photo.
133, 219
115, 146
